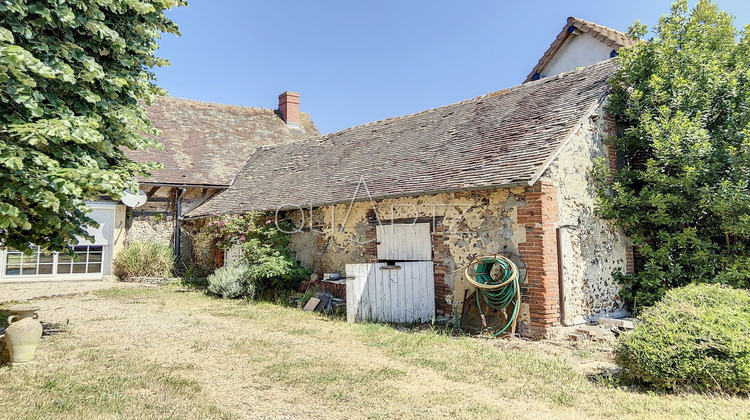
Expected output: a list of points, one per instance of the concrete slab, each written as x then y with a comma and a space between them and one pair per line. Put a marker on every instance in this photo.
625, 324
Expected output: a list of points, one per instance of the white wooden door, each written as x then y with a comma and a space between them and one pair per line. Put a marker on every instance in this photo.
404, 242
232, 255
378, 292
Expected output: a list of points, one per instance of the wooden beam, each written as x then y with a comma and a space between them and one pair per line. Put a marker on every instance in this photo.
151, 192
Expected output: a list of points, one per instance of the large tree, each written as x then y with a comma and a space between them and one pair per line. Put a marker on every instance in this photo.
73, 77
682, 192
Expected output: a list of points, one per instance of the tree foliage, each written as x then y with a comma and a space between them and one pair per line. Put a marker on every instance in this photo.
682, 194
73, 74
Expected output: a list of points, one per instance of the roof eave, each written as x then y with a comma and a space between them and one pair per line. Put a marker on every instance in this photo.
183, 185
507, 185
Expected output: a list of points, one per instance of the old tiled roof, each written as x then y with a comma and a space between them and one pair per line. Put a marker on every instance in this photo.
501, 139
207, 144
609, 37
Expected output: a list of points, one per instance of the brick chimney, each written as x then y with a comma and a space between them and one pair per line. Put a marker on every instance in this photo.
289, 108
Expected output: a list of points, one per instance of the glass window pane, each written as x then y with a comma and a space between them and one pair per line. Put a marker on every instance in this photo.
13, 270
95, 257
28, 270
14, 258
79, 268
62, 258
95, 268
46, 257
63, 269
45, 269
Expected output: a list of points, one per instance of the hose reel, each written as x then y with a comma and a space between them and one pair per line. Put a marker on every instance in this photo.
496, 293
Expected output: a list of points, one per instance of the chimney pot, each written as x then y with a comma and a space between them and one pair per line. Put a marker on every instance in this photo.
289, 107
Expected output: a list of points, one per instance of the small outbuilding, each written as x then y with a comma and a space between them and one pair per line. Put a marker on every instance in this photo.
505, 173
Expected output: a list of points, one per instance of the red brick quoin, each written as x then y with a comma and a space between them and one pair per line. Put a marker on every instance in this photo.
540, 218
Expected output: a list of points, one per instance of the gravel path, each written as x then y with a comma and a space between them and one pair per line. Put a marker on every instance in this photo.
21, 291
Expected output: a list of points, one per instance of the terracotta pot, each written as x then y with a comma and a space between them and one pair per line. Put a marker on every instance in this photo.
23, 333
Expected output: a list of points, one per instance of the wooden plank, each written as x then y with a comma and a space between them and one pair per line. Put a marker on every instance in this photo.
423, 242
368, 293
381, 238
357, 296
383, 285
311, 304
407, 290
373, 288
423, 284
421, 297
429, 272
395, 278
353, 273
349, 272
404, 242
403, 295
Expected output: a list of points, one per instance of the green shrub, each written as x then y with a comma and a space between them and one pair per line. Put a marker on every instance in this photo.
231, 282
265, 249
697, 336
144, 259
275, 272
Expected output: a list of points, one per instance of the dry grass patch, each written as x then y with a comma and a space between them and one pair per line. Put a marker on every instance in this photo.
203, 357
77, 381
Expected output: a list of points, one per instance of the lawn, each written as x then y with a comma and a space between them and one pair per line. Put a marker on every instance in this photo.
161, 353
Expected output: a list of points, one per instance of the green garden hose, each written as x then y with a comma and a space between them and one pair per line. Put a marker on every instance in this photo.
496, 294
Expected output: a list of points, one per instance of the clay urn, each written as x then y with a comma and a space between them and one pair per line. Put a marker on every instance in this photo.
23, 333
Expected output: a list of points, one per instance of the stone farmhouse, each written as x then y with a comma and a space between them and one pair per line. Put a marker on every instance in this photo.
205, 145
505, 173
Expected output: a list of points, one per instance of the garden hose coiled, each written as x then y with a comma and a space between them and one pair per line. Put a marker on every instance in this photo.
495, 293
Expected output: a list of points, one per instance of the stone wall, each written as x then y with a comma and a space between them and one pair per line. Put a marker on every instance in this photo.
591, 248
519, 221
155, 221
463, 225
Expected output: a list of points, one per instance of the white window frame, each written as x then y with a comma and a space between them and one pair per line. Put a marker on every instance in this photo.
107, 231
84, 260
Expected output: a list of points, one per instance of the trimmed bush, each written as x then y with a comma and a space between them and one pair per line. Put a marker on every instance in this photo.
144, 259
697, 336
231, 282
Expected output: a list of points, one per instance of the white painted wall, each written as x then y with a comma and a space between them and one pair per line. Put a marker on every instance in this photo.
578, 51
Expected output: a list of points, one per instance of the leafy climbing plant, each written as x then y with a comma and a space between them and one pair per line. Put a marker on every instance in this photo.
265, 247
682, 195
73, 77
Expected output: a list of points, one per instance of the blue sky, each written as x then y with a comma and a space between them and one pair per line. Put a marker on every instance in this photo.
354, 61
